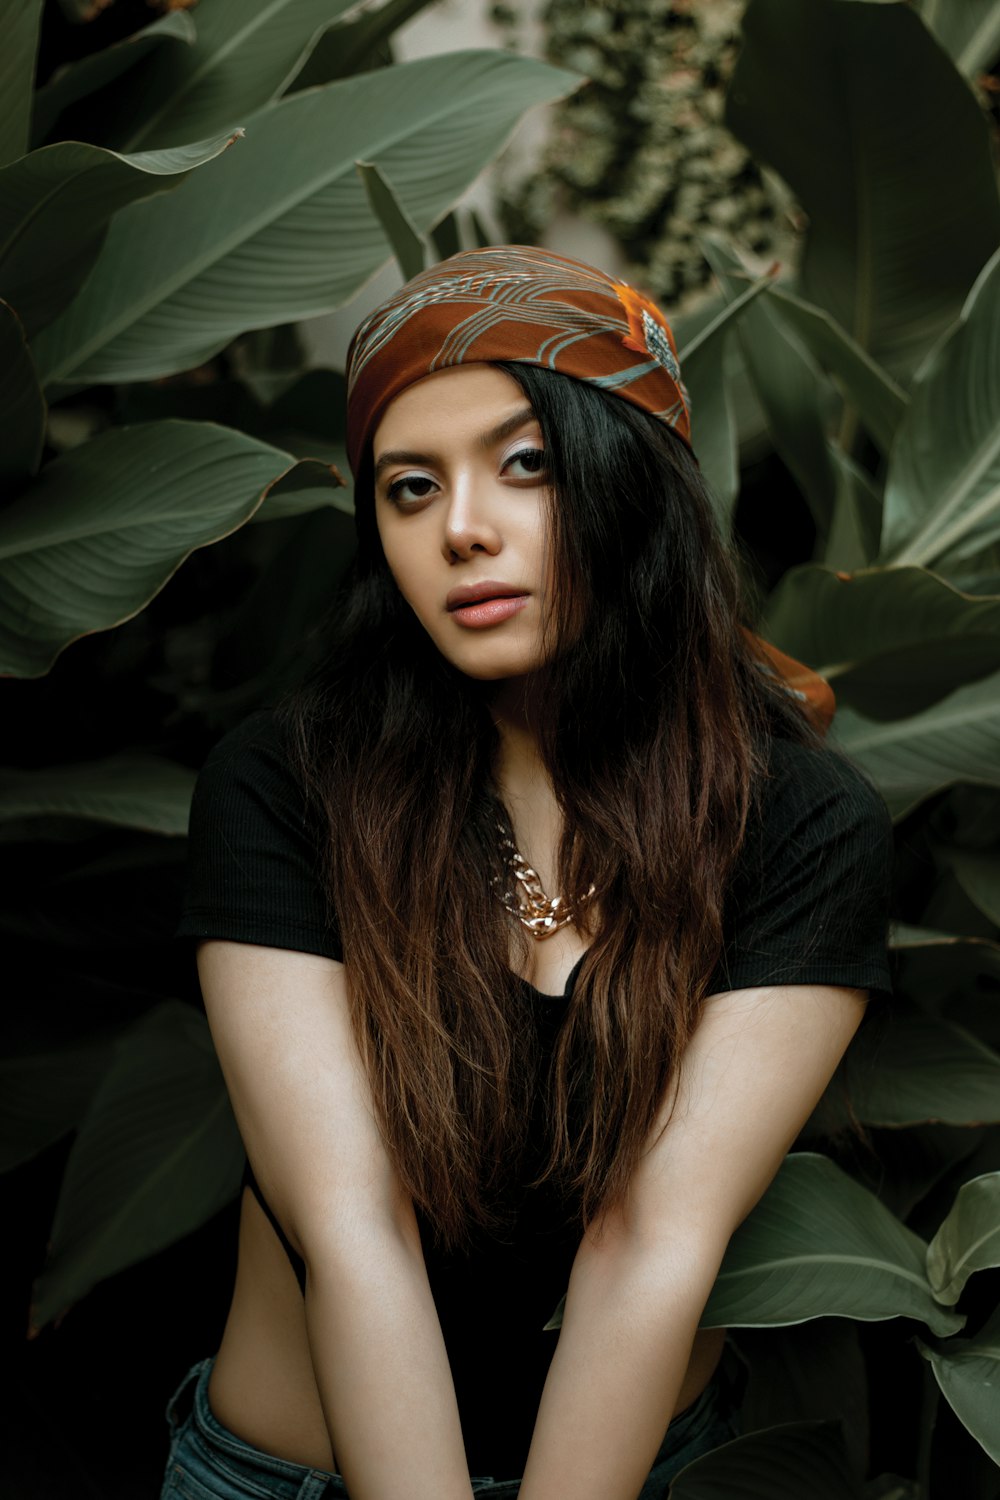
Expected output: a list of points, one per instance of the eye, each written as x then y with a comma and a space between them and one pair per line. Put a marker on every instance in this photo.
418, 487
531, 460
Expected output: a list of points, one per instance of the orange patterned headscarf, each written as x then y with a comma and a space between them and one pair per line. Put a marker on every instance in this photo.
530, 306
513, 302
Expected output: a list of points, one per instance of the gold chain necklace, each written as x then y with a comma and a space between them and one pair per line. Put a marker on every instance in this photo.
542, 915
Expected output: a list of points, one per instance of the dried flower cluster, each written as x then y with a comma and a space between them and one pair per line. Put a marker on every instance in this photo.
642, 148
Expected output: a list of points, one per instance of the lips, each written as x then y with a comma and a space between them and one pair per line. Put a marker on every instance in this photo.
477, 593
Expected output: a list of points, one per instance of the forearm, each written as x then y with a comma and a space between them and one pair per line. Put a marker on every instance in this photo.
382, 1372
629, 1322
750, 1076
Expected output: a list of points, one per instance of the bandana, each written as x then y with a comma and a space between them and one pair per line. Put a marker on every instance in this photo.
515, 303
531, 306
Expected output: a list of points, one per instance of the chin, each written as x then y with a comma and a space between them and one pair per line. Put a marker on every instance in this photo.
493, 666
481, 672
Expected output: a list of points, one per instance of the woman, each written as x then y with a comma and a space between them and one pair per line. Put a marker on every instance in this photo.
461, 1097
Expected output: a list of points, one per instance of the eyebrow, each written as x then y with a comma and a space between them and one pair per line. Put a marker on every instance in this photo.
519, 418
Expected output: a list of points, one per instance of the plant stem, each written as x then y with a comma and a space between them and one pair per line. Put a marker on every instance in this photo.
928, 1421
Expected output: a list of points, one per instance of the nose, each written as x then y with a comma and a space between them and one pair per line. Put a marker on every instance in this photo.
470, 521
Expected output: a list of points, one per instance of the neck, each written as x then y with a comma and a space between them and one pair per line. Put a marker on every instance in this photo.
514, 707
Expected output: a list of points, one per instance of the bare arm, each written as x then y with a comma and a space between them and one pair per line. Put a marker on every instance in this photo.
282, 1031
751, 1075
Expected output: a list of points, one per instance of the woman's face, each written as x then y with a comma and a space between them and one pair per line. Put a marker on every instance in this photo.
461, 507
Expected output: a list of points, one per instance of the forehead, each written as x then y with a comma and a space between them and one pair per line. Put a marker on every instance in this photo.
447, 402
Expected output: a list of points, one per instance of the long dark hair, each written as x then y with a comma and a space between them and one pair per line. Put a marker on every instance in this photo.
655, 734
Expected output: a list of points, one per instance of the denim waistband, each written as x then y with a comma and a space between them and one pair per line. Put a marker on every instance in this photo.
261, 1473
274, 1478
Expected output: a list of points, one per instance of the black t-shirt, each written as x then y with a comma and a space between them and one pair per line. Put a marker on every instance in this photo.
807, 904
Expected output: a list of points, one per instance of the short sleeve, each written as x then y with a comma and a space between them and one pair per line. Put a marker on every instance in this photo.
809, 898
254, 854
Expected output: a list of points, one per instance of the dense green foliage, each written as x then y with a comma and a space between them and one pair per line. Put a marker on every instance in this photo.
174, 519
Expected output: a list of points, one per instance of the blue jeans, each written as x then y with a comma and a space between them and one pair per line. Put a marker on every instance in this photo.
207, 1462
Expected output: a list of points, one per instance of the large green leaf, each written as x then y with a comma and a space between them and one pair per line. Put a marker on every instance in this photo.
979, 876
908, 936
949, 908
288, 501
22, 405
970, 818
937, 967
156, 1155
819, 1245
281, 229
788, 385
969, 30
909, 759
105, 526
356, 45
55, 207
308, 419
942, 493
77, 80
968, 1370
17, 76
244, 53
852, 542
272, 638
713, 426
397, 226
705, 364
880, 402
891, 641
43, 1096
923, 1069
968, 1240
779, 1463
886, 148
909, 1168
807, 1372
124, 790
